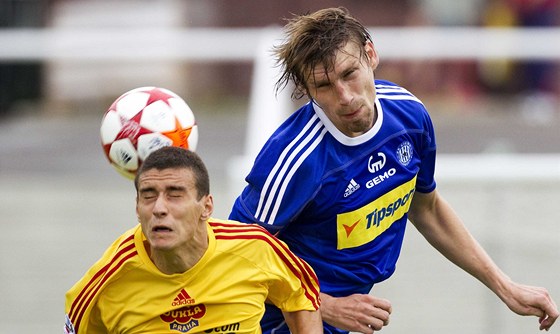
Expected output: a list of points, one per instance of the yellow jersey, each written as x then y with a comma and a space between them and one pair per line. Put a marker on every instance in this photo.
225, 292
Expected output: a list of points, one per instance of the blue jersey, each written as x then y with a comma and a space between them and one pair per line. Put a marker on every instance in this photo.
341, 203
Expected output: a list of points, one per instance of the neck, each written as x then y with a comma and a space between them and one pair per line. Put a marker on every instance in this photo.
177, 261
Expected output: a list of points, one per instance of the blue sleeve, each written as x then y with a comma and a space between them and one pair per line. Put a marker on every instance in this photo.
274, 204
284, 178
426, 181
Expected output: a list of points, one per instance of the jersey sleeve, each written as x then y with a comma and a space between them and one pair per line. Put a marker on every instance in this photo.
80, 302
426, 180
274, 195
294, 285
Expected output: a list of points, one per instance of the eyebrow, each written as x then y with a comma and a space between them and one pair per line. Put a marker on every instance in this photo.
175, 188
146, 189
324, 77
168, 188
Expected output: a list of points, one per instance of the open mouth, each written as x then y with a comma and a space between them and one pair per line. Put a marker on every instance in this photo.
161, 229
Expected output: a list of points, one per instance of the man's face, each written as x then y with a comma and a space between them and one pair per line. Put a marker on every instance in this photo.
347, 92
170, 214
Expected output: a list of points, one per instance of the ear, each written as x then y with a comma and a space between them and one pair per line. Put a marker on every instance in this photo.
208, 203
373, 56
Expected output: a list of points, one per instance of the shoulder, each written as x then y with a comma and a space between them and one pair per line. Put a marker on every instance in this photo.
296, 125
251, 237
121, 256
387, 90
292, 144
123, 249
400, 104
234, 230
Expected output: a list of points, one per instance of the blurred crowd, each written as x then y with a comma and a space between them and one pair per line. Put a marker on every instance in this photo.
531, 76
460, 80
531, 81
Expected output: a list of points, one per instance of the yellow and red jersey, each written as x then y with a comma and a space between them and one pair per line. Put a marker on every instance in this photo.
243, 267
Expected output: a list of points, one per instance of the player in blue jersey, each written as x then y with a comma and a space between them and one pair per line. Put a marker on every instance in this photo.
340, 177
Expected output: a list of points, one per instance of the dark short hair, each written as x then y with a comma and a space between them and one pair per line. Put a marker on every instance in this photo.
177, 157
314, 39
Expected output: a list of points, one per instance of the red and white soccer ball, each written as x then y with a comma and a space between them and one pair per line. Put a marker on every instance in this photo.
143, 120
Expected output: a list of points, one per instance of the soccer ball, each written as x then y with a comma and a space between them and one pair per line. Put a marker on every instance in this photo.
143, 120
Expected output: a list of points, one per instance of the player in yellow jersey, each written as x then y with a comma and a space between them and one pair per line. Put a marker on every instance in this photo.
181, 271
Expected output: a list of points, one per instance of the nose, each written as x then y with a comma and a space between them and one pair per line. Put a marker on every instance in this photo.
343, 93
160, 206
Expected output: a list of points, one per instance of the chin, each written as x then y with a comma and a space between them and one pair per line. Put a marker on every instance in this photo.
162, 245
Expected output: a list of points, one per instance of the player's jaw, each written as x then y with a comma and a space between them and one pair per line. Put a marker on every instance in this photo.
355, 120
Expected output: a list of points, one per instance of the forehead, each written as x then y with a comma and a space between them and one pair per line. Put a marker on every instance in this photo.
344, 57
165, 177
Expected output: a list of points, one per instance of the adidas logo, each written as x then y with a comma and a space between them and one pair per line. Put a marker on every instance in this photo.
182, 298
352, 186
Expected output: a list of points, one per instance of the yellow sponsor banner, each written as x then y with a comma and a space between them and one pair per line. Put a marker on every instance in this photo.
363, 225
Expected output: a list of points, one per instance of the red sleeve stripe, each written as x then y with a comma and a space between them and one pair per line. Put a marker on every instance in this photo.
83, 300
240, 226
309, 280
236, 228
243, 228
302, 265
78, 301
306, 282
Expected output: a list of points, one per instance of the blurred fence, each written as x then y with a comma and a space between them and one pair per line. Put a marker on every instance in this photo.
91, 46
241, 44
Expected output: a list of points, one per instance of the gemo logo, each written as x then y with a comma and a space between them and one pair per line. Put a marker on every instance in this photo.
380, 178
376, 166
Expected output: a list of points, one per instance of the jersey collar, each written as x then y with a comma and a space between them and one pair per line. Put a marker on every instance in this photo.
341, 137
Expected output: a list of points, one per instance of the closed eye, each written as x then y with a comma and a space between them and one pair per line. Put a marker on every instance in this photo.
349, 74
176, 191
322, 85
147, 193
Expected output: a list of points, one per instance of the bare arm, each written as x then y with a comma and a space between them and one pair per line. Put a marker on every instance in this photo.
443, 229
356, 313
304, 322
